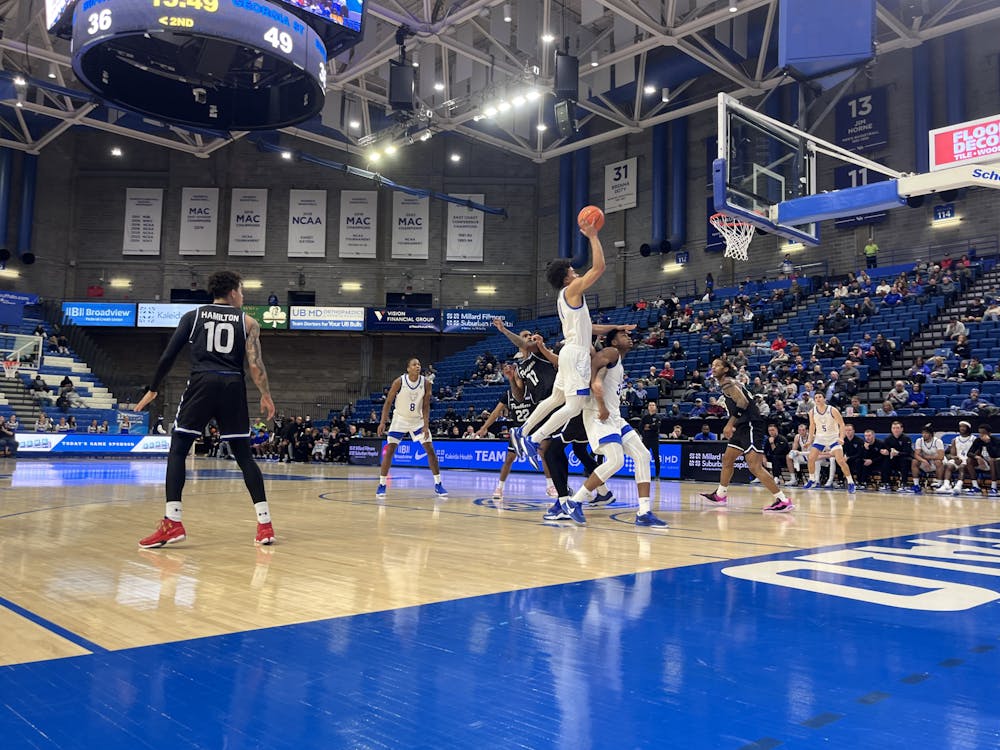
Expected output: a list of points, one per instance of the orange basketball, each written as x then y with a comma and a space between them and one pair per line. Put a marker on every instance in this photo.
591, 215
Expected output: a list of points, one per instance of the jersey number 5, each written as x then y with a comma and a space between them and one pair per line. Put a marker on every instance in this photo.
220, 337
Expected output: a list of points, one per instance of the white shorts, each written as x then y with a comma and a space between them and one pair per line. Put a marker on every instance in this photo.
955, 461
401, 428
601, 433
573, 377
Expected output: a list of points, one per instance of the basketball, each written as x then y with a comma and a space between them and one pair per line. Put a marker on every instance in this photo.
591, 215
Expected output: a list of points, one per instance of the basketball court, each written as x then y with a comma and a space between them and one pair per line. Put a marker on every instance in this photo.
421, 622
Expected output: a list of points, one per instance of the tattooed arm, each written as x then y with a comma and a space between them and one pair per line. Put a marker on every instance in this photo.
255, 362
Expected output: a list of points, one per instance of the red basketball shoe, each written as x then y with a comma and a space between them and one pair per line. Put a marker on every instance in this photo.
265, 534
167, 532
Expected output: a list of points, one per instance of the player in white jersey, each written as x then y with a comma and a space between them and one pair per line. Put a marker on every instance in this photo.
826, 433
410, 397
957, 462
609, 434
928, 456
572, 386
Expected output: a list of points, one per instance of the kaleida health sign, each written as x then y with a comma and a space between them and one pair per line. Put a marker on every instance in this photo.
965, 143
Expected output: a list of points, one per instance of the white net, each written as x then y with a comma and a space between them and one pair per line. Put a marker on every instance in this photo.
737, 234
10, 367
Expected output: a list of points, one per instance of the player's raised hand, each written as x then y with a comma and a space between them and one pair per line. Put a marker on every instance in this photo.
588, 229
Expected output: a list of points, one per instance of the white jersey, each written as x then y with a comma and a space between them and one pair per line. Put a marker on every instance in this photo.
923, 449
826, 430
614, 384
409, 405
577, 328
962, 445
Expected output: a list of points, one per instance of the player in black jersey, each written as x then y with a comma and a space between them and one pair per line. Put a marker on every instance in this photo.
746, 432
517, 405
220, 337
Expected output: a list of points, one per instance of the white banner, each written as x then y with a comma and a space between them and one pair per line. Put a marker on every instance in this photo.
358, 223
199, 221
248, 222
620, 186
143, 221
465, 229
307, 224
409, 226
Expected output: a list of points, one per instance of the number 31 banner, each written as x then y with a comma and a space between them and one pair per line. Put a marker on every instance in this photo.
619, 186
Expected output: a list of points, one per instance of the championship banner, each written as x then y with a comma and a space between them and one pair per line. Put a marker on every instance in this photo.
248, 222
307, 224
465, 230
270, 317
409, 226
199, 221
358, 223
143, 221
620, 186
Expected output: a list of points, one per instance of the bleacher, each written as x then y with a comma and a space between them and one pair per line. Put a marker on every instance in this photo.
100, 403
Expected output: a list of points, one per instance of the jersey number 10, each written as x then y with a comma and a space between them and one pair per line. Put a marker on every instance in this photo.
220, 337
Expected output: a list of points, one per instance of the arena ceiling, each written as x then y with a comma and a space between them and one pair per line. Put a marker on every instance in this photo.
470, 59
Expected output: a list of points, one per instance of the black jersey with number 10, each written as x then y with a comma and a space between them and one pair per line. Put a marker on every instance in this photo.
218, 339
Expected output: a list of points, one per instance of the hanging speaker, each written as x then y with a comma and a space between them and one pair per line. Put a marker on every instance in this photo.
400, 86
567, 77
564, 120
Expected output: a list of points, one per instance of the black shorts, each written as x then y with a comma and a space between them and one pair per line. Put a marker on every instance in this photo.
749, 436
210, 395
573, 432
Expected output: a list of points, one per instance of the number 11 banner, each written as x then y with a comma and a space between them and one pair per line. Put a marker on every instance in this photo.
620, 186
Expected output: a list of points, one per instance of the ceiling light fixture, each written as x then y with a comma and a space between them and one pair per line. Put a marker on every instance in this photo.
503, 106
390, 150
286, 155
649, 89
732, 6
541, 127
490, 111
665, 95
593, 58
518, 100
548, 37
354, 124
508, 16
456, 158
253, 284
116, 151
351, 286
533, 95
374, 156
53, 71
19, 81
438, 86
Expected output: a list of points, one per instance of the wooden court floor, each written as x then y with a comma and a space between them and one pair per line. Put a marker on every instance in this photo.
75, 584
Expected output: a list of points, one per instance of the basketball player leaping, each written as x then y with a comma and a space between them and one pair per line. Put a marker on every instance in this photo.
410, 395
746, 432
572, 384
610, 435
221, 336
826, 433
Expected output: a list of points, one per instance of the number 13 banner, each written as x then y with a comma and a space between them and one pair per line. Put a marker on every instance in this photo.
619, 186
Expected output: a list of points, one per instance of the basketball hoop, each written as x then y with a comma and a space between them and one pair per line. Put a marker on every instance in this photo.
737, 234
10, 367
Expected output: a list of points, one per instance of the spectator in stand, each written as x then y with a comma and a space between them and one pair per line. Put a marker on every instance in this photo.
919, 371
883, 288
894, 297
954, 329
706, 434
699, 409
665, 377
470, 433
63, 425
976, 311
886, 410
948, 288
974, 403
715, 408
976, 371
947, 262
677, 433
871, 254
992, 312
918, 399
8, 440
962, 348
883, 350
779, 344
856, 408
939, 370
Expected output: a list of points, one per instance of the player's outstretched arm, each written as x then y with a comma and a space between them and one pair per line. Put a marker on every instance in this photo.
514, 338
546, 352
601, 329
174, 347
576, 288
255, 363
493, 417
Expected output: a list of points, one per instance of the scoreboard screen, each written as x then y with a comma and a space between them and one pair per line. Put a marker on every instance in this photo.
346, 13
54, 10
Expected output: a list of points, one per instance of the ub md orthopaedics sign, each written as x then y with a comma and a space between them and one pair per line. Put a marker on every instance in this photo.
925, 571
